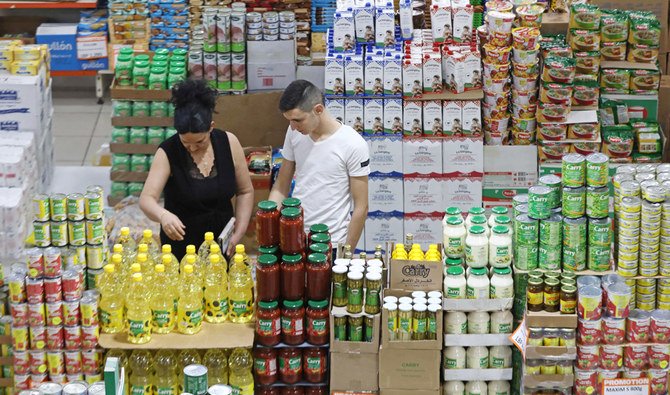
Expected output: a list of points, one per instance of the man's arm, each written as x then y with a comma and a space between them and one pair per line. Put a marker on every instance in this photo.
359, 195
282, 185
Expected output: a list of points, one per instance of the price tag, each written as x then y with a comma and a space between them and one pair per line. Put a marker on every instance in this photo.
520, 338
640, 386
91, 48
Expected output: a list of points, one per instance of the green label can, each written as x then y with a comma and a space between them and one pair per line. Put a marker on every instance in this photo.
574, 202
549, 257
76, 232
599, 258
526, 229
526, 256
95, 256
574, 232
41, 207
573, 170
600, 232
538, 202
551, 230
58, 207
95, 231
59, 233
521, 209
93, 206
75, 207
597, 170
552, 182
92, 278
574, 258
42, 233
195, 379
519, 199
120, 134
597, 202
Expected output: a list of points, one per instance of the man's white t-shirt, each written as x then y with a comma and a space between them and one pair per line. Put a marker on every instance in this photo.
322, 171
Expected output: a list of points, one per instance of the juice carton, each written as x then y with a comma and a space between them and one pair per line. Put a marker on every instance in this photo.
385, 28
344, 33
412, 116
374, 117
374, 75
472, 115
463, 31
453, 67
412, 77
364, 21
406, 23
353, 114
440, 21
432, 73
334, 75
472, 70
452, 117
393, 117
392, 74
353, 75
432, 118
336, 108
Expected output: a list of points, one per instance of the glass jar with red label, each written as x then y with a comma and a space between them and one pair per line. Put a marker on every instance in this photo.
292, 277
268, 323
291, 231
292, 322
318, 277
318, 228
267, 278
265, 365
320, 390
314, 364
290, 365
267, 223
317, 322
293, 390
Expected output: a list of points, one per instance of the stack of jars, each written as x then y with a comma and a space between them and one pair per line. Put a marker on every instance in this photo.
552, 291
293, 292
413, 318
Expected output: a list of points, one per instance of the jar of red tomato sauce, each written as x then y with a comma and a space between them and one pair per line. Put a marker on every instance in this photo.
320, 390
293, 322
267, 223
290, 365
293, 390
268, 323
265, 365
292, 277
318, 228
322, 238
321, 248
314, 364
317, 322
318, 277
293, 203
267, 391
291, 231
267, 278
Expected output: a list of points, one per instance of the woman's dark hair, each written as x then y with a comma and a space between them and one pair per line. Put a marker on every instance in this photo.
194, 103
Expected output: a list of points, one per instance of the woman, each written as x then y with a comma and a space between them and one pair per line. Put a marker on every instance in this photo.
199, 170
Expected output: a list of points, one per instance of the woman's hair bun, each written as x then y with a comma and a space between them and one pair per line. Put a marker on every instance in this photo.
193, 92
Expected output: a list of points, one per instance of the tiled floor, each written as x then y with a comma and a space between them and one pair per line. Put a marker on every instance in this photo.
80, 126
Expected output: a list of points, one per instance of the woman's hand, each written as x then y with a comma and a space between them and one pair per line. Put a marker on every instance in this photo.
172, 226
234, 240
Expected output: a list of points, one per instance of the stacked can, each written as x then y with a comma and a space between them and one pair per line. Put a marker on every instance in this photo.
218, 49
54, 327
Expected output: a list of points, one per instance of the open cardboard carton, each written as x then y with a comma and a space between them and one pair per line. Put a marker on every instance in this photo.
414, 275
478, 374
556, 353
354, 347
389, 344
542, 319
489, 340
409, 370
469, 305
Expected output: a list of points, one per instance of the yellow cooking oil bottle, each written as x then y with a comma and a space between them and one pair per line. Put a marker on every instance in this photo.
215, 250
399, 252
141, 372
148, 239
189, 306
216, 290
240, 291
433, 254
191, 258
127, 242
239, 249
239, 367
172, 266
165, 376
416, 253
123, 363
204, 249
138, 316
111, 301
162, 302
217, 366
186, 357
117, 249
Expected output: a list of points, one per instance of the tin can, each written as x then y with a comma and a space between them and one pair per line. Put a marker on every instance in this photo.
600, 232
92, 278
551, 230
34, 290
90, 335
38, 361
223, 28
21, 381
549, 257
53, 388
36, 314
223, 73
77, 377
209, 20
95, 231
574, 258
53, 264
54, 313
80, 251
93, 205
21, 362
72, 286
237, 35
75, 207
20, 338
35, 261
538, 202
195, 379
554, 183
599, 258
597, 202
76, 232
17, 288
94, 256
72, 336
59, 233
73, 362
574, 202
38, 379
75, 388
574, 232
597, 170
89, 310
210, 68
97, 388
573, 170
38, 337
41, 208
42, 233
71, 314
195, 64
58, 207
526, 229
91, 361
53, 289
55, 338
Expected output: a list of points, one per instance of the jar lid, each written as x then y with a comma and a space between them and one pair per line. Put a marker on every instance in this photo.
478, 271
452, 211
142, 57
267, 259
454, 261
355, 276
141, 63
291, 212
478, 230
269, 305
405, 307
434, 294
319, 248
390, 306
503, 219
293, 304
267, 205
317, 228
340, 269
418, 294
455, 270
374, 270
318, 304
420, 307
552, 282
434, 301
317, 257
419, 300
373, 276
499, 210
390, 299
342, 262
570, 289
268, 250
502, 270
434, 308
535, 281
454, 221
291, 258
501, 230
405, 300
478, 219
291, 202
321, 238
375, 263
476, 211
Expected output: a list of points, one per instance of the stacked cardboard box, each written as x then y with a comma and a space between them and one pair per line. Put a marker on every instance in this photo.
505, 178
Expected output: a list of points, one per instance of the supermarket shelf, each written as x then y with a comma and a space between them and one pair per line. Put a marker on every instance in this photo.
478, 304
48, 5
143, 121
226, 335
73, 73
542, 319
335, 97
553, 353
303, 345
469, 95
128, 176
548, 380
121, 148
478, 340
477, 374
299, 383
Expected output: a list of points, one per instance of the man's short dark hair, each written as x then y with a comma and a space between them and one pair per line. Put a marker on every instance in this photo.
300, 94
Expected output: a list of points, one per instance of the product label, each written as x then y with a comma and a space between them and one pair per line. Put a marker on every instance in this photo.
162, 318
138, 328
191, 318
372, 297
314, 364
167, 390
339, 290
239, 307
432, 325
290, 365
291, 326
501, 292
551, 299
317, 326
504, 328
355, 297
392, 323
405, 325
475, 293
455, 246
140, 389
267, 327
111, 318
266, 367
503, 255
535, 298
454, 292
451, 363
419, 325
216, 308
497, 363
475, 256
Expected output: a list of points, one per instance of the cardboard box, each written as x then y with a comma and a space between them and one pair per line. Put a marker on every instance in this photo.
462, 192
392, 391
492, 197
477, 340
129, 93
353, 371
639, 106
22, 91
383, 228
354, 347
554, 23
426, 228
423, 194
463, 157
478, 374
468, 305
387, 343
270, 64
415, 275
146, 149
384, 194
550, 320
658, 7
386, 156
62, 41
422, 156
501, 172
554, 353
409, 370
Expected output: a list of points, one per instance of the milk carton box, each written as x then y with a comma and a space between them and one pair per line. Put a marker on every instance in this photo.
462, 192
453, 65
334, 75
452, 118
463, 31
336, 108
383, 228
472, 116
422, 156
374, 117
353, 114
374, 75
423, 194
392, 74
432, 118
412, 115
426, 228
364, 20
432, 73
472, 65
353, 75
440, 21
412, 77
385, 28
406, 22
385, 155
344, 33
393, 117
385, 194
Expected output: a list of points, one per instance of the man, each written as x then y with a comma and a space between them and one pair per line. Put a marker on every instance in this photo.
330, 162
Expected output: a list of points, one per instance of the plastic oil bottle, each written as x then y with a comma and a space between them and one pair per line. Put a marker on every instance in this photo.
148, 239
399, 252
172, 267
123, 363
239, 366
204, 249
191, 258
165, 378
141, 372
433, 254
138, 317
186, 357
126, 240
117, 249
162, 303
217, 366
216, 290
215, 250
189, 307
240, 291
111, 301
239, 249
416, 254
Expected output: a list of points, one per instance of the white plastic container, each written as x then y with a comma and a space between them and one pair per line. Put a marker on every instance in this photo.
479, 323
500, 357
502, 285
477, 358
502, 321
454, 237
476, 248
476, 388
478, 285
455, 283
454, 357
453, 388
500, 247
455, 323
499, 387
